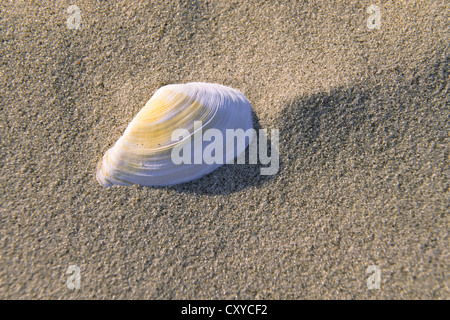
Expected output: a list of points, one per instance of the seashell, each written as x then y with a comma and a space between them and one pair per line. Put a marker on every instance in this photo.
143, 154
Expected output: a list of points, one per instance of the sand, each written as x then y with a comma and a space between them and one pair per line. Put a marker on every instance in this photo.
363, 116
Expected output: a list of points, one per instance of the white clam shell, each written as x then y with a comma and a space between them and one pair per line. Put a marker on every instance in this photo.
142, 155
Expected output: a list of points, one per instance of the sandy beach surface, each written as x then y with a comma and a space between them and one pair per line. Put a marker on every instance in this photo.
363, 120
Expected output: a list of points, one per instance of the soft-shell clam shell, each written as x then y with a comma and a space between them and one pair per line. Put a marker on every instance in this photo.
143, 155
